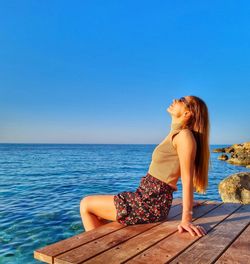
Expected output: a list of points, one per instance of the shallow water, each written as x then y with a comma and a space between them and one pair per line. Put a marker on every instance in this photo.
42, 185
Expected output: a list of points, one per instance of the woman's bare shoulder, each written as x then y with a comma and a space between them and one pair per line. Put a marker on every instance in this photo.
186, 132
184, 136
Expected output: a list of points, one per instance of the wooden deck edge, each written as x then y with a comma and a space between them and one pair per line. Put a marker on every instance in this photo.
41, 255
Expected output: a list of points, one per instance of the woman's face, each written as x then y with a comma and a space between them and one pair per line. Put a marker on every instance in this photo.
178, 106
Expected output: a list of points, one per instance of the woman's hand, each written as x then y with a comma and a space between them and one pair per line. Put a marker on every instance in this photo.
192, 229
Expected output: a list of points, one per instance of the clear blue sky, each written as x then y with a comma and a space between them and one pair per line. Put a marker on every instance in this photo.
106, 71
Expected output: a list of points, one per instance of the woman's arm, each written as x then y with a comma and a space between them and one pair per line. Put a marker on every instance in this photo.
186, 148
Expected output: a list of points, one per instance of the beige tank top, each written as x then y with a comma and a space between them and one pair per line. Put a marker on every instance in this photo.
165, 164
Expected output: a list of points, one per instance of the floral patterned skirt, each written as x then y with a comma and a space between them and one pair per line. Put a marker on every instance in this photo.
150, 202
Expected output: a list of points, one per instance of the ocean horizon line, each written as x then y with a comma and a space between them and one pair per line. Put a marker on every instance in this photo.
53, 143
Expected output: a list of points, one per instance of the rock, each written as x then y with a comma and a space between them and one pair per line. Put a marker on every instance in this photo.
218, 150
240, 155
235, 188
243, 161
223, 157
248, 166
230, 149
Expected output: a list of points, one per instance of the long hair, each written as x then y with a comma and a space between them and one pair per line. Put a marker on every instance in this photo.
200, 125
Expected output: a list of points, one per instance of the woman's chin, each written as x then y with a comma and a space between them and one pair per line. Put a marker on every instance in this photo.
169, 109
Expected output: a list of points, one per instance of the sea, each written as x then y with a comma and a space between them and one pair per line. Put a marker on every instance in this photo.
41, 186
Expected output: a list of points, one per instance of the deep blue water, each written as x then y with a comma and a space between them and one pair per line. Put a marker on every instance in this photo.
41, 186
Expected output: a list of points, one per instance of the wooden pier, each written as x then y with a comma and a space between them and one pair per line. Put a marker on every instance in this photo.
227, 240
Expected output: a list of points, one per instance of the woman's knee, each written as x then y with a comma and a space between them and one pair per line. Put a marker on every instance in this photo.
84, 204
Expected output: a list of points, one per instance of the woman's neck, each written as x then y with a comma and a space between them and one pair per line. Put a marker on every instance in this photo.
176, 125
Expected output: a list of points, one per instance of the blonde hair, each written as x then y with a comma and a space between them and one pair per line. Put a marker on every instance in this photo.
200, 125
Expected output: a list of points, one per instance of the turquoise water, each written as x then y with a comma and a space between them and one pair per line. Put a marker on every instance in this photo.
41, 186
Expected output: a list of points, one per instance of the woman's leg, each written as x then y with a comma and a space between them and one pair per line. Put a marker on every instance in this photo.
94, 208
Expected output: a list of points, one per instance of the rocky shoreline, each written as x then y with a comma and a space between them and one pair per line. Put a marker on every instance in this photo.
238, 154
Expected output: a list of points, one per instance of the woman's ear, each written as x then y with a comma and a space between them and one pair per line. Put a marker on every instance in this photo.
187, 114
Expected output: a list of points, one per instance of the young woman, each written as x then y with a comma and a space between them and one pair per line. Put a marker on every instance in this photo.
183, 153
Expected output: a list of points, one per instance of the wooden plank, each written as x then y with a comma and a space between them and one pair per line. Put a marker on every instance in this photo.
208, 248
99, 245
239, 250
130, 247
48, 253
168, 248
